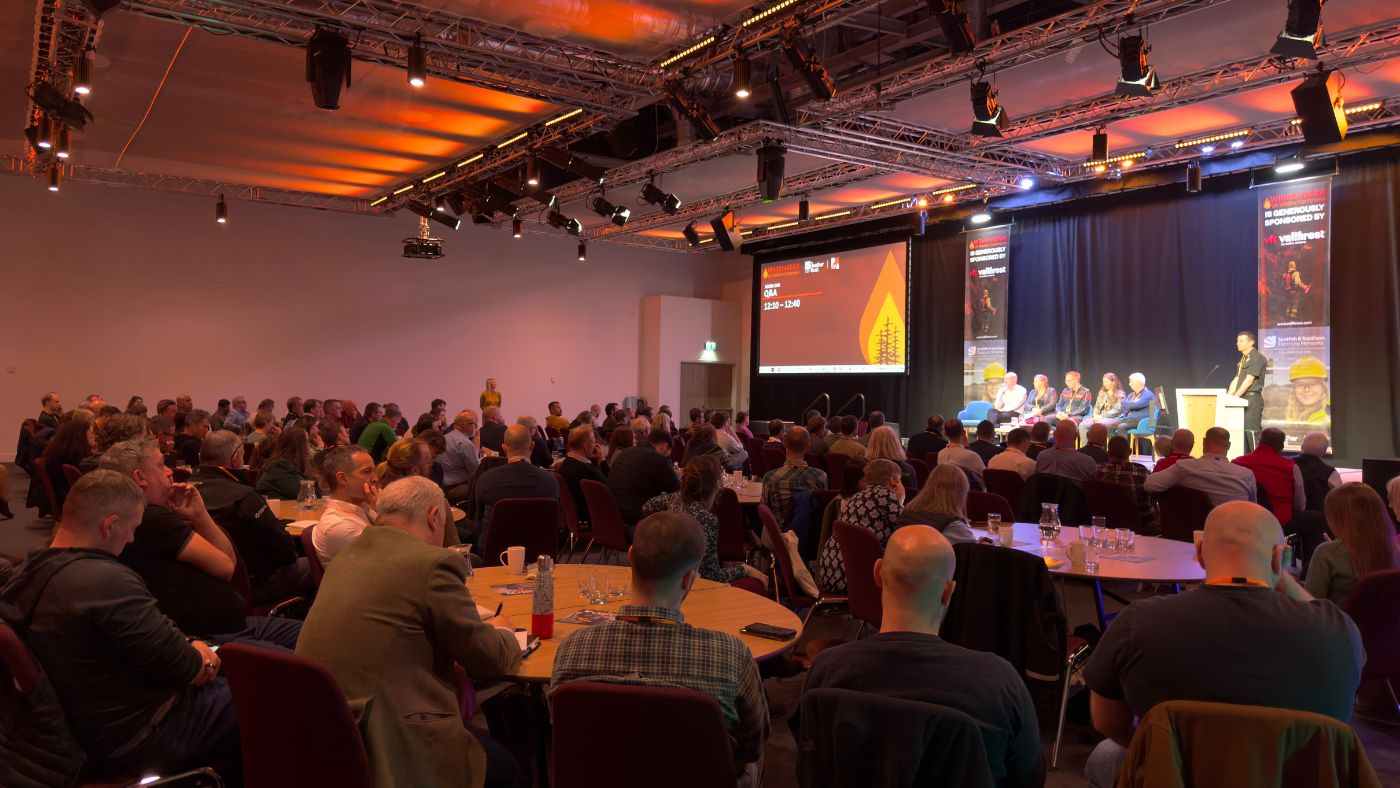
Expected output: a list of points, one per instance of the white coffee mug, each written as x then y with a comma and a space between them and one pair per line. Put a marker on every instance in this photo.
514, 557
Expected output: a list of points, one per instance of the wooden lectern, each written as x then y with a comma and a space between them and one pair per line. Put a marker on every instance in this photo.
1200, 409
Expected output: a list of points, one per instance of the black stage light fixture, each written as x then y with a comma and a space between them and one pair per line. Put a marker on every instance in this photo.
440, 205
570, 226
54, 177
1318, 102
82, 73
100, 7
502, 197
44, 138
517, 228
1193, 177
582, 251
539, 195
988, 118
726, 232
31, 134
62, 142
1100, 148
574, 163
327, 67
805, 63
771, 163
1138, 78
531, 175
1302, 33
457, 201
669, 203
691, 237
58, 106
417, 63
804, 210
428, 212
689, 106
957, 29
221, 211
743, 76
780, 105
617, 214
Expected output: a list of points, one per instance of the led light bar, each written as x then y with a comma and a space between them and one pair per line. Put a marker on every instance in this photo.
563, 117
378, 201
1228, 135
1126, 157
830, 215
476, 158
435, 176
765, 13
404, 189
685, 53
522, 135
1369, 106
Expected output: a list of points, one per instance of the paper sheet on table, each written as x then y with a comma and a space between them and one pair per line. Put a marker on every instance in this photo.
1131, 559
304, 524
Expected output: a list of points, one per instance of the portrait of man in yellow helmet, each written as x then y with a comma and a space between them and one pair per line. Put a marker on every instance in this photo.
1309, 401
992, 376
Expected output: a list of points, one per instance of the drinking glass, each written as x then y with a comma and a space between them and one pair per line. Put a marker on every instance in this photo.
617, 588
1049, 522
306, 495
599, 590
1126, 538
1099, 535
1086, 534
585, 587
993, 522
1091, 560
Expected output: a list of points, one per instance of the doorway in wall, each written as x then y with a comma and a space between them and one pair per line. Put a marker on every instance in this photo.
708, 386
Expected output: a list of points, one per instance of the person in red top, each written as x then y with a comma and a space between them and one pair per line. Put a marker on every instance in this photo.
1183, 441
1279, 476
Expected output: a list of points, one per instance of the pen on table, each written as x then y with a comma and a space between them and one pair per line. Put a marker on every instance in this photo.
499, 606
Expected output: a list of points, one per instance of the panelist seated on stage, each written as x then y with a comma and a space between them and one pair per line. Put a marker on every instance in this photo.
1108, 402
1062, 459
1010, 398
1212, 473
1040, 400
1137, 403
1074, 401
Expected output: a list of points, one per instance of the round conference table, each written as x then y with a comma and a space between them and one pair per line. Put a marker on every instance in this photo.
710, 605
750, 493
287, 510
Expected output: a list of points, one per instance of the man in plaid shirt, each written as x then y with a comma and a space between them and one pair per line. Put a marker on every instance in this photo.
780, 483
1119, 469
650, 643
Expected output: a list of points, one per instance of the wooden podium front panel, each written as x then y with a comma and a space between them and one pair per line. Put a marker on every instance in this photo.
1198, 416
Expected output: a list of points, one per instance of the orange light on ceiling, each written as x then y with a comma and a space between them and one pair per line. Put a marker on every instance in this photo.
947, 198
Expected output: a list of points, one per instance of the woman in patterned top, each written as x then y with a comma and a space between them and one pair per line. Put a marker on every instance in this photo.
876, 508
699, 489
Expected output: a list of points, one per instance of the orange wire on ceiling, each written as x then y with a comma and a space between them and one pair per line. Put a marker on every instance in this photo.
152, 105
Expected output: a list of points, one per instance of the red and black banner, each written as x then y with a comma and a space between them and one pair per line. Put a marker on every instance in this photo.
984, 311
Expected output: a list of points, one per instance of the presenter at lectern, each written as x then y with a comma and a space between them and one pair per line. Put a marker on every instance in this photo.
1249, 384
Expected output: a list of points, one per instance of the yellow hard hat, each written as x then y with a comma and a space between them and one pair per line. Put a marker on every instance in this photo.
993, 371
1307, 367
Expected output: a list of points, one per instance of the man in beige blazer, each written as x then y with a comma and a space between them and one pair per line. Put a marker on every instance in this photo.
392, 616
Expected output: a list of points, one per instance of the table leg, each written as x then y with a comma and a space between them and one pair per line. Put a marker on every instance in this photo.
1098, 606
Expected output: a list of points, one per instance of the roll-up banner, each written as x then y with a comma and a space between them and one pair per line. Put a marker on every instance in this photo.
984, 312
1295, 332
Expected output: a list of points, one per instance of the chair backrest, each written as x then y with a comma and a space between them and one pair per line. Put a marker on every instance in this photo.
975, 411
931, 459
609, 529
486, 464
530, 522
1183, 510
979, 504
678, 445
730, 546
1007, 484
1049, 488
23, 669
1113, 500
815, 460
71, 473
296, 727
921, 470
1007, 605
780, 553
313, 559
860, 548
773, 456
572, 519
41, 468
836, 468
1374, 604
1161, 400
757, 462
653, 731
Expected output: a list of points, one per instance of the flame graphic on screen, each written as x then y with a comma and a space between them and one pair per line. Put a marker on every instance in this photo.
882, 323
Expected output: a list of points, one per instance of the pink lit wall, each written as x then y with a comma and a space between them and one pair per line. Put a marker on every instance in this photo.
121, 291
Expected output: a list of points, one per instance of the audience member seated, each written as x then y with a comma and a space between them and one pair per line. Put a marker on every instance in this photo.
1182, 444
51, 409
1009, 400
332, 433
1014, 458
956, 452
274, 571
406, 457
168, 409
1074, 402
985, 446
651, 642
461, 456
908, 660
638, 474
187, 443
401, 425
518, 478
779, 484
237, 415
941, 504
883, 444
216, 419
1319, 478
1040, 400
555, 420
378, 436
727, 439
1239, 638
1096, 443
703, 440
1365, 542
930, 441
288, 466
1280, 477
294, 411
622, 440
1062, 460
265, 426
584, 460
390, 621
351, 495
741, 425
699, 489
873, 421
1211, 473
1040, 439
539, 448
875, 508
1122, 470
72, 444
816, 436
373, 412
846, 442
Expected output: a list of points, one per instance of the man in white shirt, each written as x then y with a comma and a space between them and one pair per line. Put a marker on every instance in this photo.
1011, 397
1062, 459
1014, 457
1212, 473
956, 452
463, 454
350, 502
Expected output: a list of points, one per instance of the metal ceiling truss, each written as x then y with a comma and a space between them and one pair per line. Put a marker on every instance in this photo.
955, 147
63, 29
460, 49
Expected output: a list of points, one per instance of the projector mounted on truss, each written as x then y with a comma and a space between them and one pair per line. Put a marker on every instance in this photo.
424, 246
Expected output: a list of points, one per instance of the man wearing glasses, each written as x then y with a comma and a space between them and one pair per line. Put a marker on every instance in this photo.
463, 454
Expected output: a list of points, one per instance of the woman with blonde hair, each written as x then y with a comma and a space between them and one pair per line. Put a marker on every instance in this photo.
405, 457
941, 504
1365, 542
884, 445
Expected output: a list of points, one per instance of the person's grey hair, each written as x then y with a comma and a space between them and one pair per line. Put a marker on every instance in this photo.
218, 446
1315, 443
527, 421
196, 416
411, 497
1138, 377
341, 459
98, 494
128, 456
878, 473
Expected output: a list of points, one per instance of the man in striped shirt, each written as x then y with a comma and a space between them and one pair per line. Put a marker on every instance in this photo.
780, 483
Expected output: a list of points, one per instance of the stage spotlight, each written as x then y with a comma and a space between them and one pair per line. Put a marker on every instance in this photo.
669, 203
59, 106
1099, 150
1138, 78
1025, 182
948, 198
804, 62
1302, 33
982, 216
743, 76
62, 142
726, 232
457, 201
327, 67
617, 214
1207, 149
221, 211
428, 212
1289, 165
771, 163
582, 251
1237, 144
988, 119
82, 73
1193, 177
565, 160
44, 139
689, 106
517, 228
957, 30
691, 237
532, 171
921, 201
804, 210
539, 195
1321, 110
440, 204
570, 226
54, 177
417, 63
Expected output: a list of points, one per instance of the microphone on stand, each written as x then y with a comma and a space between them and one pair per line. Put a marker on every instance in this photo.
1207, 377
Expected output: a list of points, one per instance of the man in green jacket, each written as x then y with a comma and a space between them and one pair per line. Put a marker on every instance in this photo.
379, 436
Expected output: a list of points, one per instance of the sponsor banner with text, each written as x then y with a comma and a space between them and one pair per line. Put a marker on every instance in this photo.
984, 311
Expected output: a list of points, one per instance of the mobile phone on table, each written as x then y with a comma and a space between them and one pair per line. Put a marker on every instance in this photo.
769, 631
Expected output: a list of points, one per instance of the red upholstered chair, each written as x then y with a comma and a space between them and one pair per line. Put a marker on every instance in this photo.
815, 460
860, 548
42, 471
678, 449
773, 456
313, 560
931, 459
529, 522
659, 735
731, 526
921, 470
578, 529
782, 568
244, 586
836, 468
609, 531
757, 463
71, 473
296, 727
1182, 511
1114, 501
1374, 604
979, 504
1007, 484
